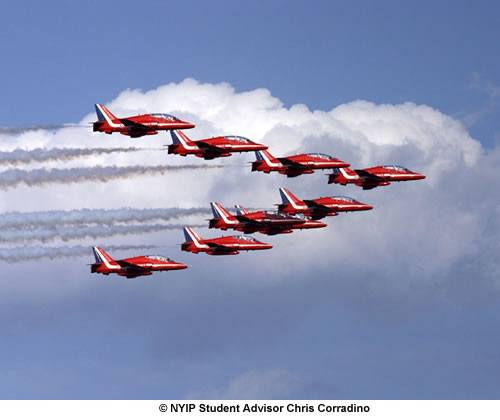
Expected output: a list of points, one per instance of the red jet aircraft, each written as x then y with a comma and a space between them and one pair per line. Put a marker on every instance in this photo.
295, 165
211, 148
137, 125
320, 207
132, 267
223, 245
269, 223
376, 176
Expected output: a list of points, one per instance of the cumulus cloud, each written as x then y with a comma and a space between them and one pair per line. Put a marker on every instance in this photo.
426, 240
360, 132
363, 133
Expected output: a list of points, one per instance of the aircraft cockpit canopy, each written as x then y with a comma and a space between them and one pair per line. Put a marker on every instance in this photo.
159, 258
396, 168
271, 213
246, 238
320, 155
165, 116
238, 139
344, 198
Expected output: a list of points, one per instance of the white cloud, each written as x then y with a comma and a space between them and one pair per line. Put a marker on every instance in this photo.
425, 226
317, 302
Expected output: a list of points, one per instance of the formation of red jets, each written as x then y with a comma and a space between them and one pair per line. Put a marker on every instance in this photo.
292, 214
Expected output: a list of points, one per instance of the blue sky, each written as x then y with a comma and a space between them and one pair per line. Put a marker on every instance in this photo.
69, 54
374, 307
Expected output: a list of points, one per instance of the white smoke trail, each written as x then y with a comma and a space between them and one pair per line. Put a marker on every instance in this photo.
40, 177
23, 156
23, 254
34, 127
81, 232
101, 217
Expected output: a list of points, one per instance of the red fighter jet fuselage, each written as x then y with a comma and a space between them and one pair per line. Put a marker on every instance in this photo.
320, 207
269, 223
376, 176
224, 245
295, 165
211, 148
132, 267
137, 125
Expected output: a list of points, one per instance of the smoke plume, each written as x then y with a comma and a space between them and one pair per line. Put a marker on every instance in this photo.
20, 156
101, 217
65, 233
40, 177
22, 254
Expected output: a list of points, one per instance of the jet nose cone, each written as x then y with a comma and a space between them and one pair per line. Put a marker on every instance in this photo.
366, 207
419, 176
182, 266
342, 164
317, 224
266, 246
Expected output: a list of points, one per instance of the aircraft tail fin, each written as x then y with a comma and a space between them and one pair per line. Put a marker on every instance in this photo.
221, 213
104, 114
101, 257
240, 210
288, 198
264, 155
348, 172
265, 161
178, 137
194, 242
343, 176
191, 235
258, 156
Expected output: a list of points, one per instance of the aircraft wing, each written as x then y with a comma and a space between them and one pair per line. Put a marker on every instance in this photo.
269, 220
133, 125
291, 163
132, 269
369, 176
245, 219
275, 231
219, 247
209, 147
134, 275
316, 206
370, 180
370, 186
